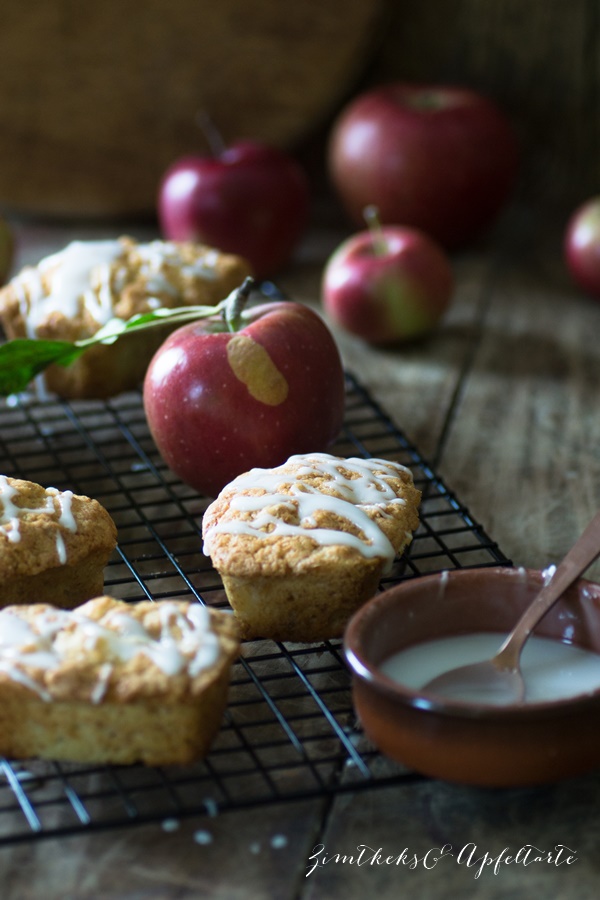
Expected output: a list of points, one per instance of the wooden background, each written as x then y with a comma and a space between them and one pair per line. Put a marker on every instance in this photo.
93, 107
97, 99
540, 59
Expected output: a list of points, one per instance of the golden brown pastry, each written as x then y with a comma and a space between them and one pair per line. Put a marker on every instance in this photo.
114, 682
53, 544
71, 294
300, 547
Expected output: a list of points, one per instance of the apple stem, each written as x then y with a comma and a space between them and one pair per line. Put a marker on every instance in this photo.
371, 217
213, 136
235, 303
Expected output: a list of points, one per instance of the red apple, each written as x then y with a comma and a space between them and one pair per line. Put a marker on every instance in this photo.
220, 402
251, 199
439, 158
389, 286
582, 246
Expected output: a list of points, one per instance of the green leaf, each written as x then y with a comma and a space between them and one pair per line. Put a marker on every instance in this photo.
22, 359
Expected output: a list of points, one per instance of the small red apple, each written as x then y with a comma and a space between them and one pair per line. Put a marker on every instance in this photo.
439, 158
387, 285
251, 199
225, 395
582, 246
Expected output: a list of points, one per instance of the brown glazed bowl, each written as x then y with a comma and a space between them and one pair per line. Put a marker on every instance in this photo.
459, 741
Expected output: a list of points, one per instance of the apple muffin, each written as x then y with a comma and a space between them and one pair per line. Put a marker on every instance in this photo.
71, 294
301, 546
114, 682
53, 544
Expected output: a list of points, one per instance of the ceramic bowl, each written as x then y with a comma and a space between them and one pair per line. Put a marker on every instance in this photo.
463, 742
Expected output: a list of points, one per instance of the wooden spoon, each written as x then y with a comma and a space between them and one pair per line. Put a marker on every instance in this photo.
499, 680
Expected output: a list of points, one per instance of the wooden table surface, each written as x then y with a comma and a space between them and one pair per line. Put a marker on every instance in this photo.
503, 401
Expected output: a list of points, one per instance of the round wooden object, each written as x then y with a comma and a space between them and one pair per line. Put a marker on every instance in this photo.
97, 99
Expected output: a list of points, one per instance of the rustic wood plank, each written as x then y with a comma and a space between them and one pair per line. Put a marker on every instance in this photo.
426, 815
522, 450
259, 853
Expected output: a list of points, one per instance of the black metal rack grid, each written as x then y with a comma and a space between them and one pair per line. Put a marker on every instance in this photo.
290, 730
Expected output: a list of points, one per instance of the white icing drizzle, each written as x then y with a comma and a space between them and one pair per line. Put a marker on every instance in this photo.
354, 495
83, 276
71, 274
65, 501
48, 641
158, 254
9, 668
11, 515
61, 549
102, 682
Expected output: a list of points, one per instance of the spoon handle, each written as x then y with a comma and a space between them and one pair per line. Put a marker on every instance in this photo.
578, 559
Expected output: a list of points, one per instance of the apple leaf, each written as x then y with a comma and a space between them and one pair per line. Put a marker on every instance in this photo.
21, 359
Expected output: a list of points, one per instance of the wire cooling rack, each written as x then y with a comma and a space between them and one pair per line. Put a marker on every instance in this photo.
290, 731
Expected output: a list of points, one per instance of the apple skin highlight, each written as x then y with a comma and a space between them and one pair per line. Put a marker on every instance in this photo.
440, 158
581, 246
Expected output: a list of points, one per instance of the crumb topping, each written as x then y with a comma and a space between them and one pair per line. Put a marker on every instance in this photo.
313, 503
79, 289
42, 527
108, 647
